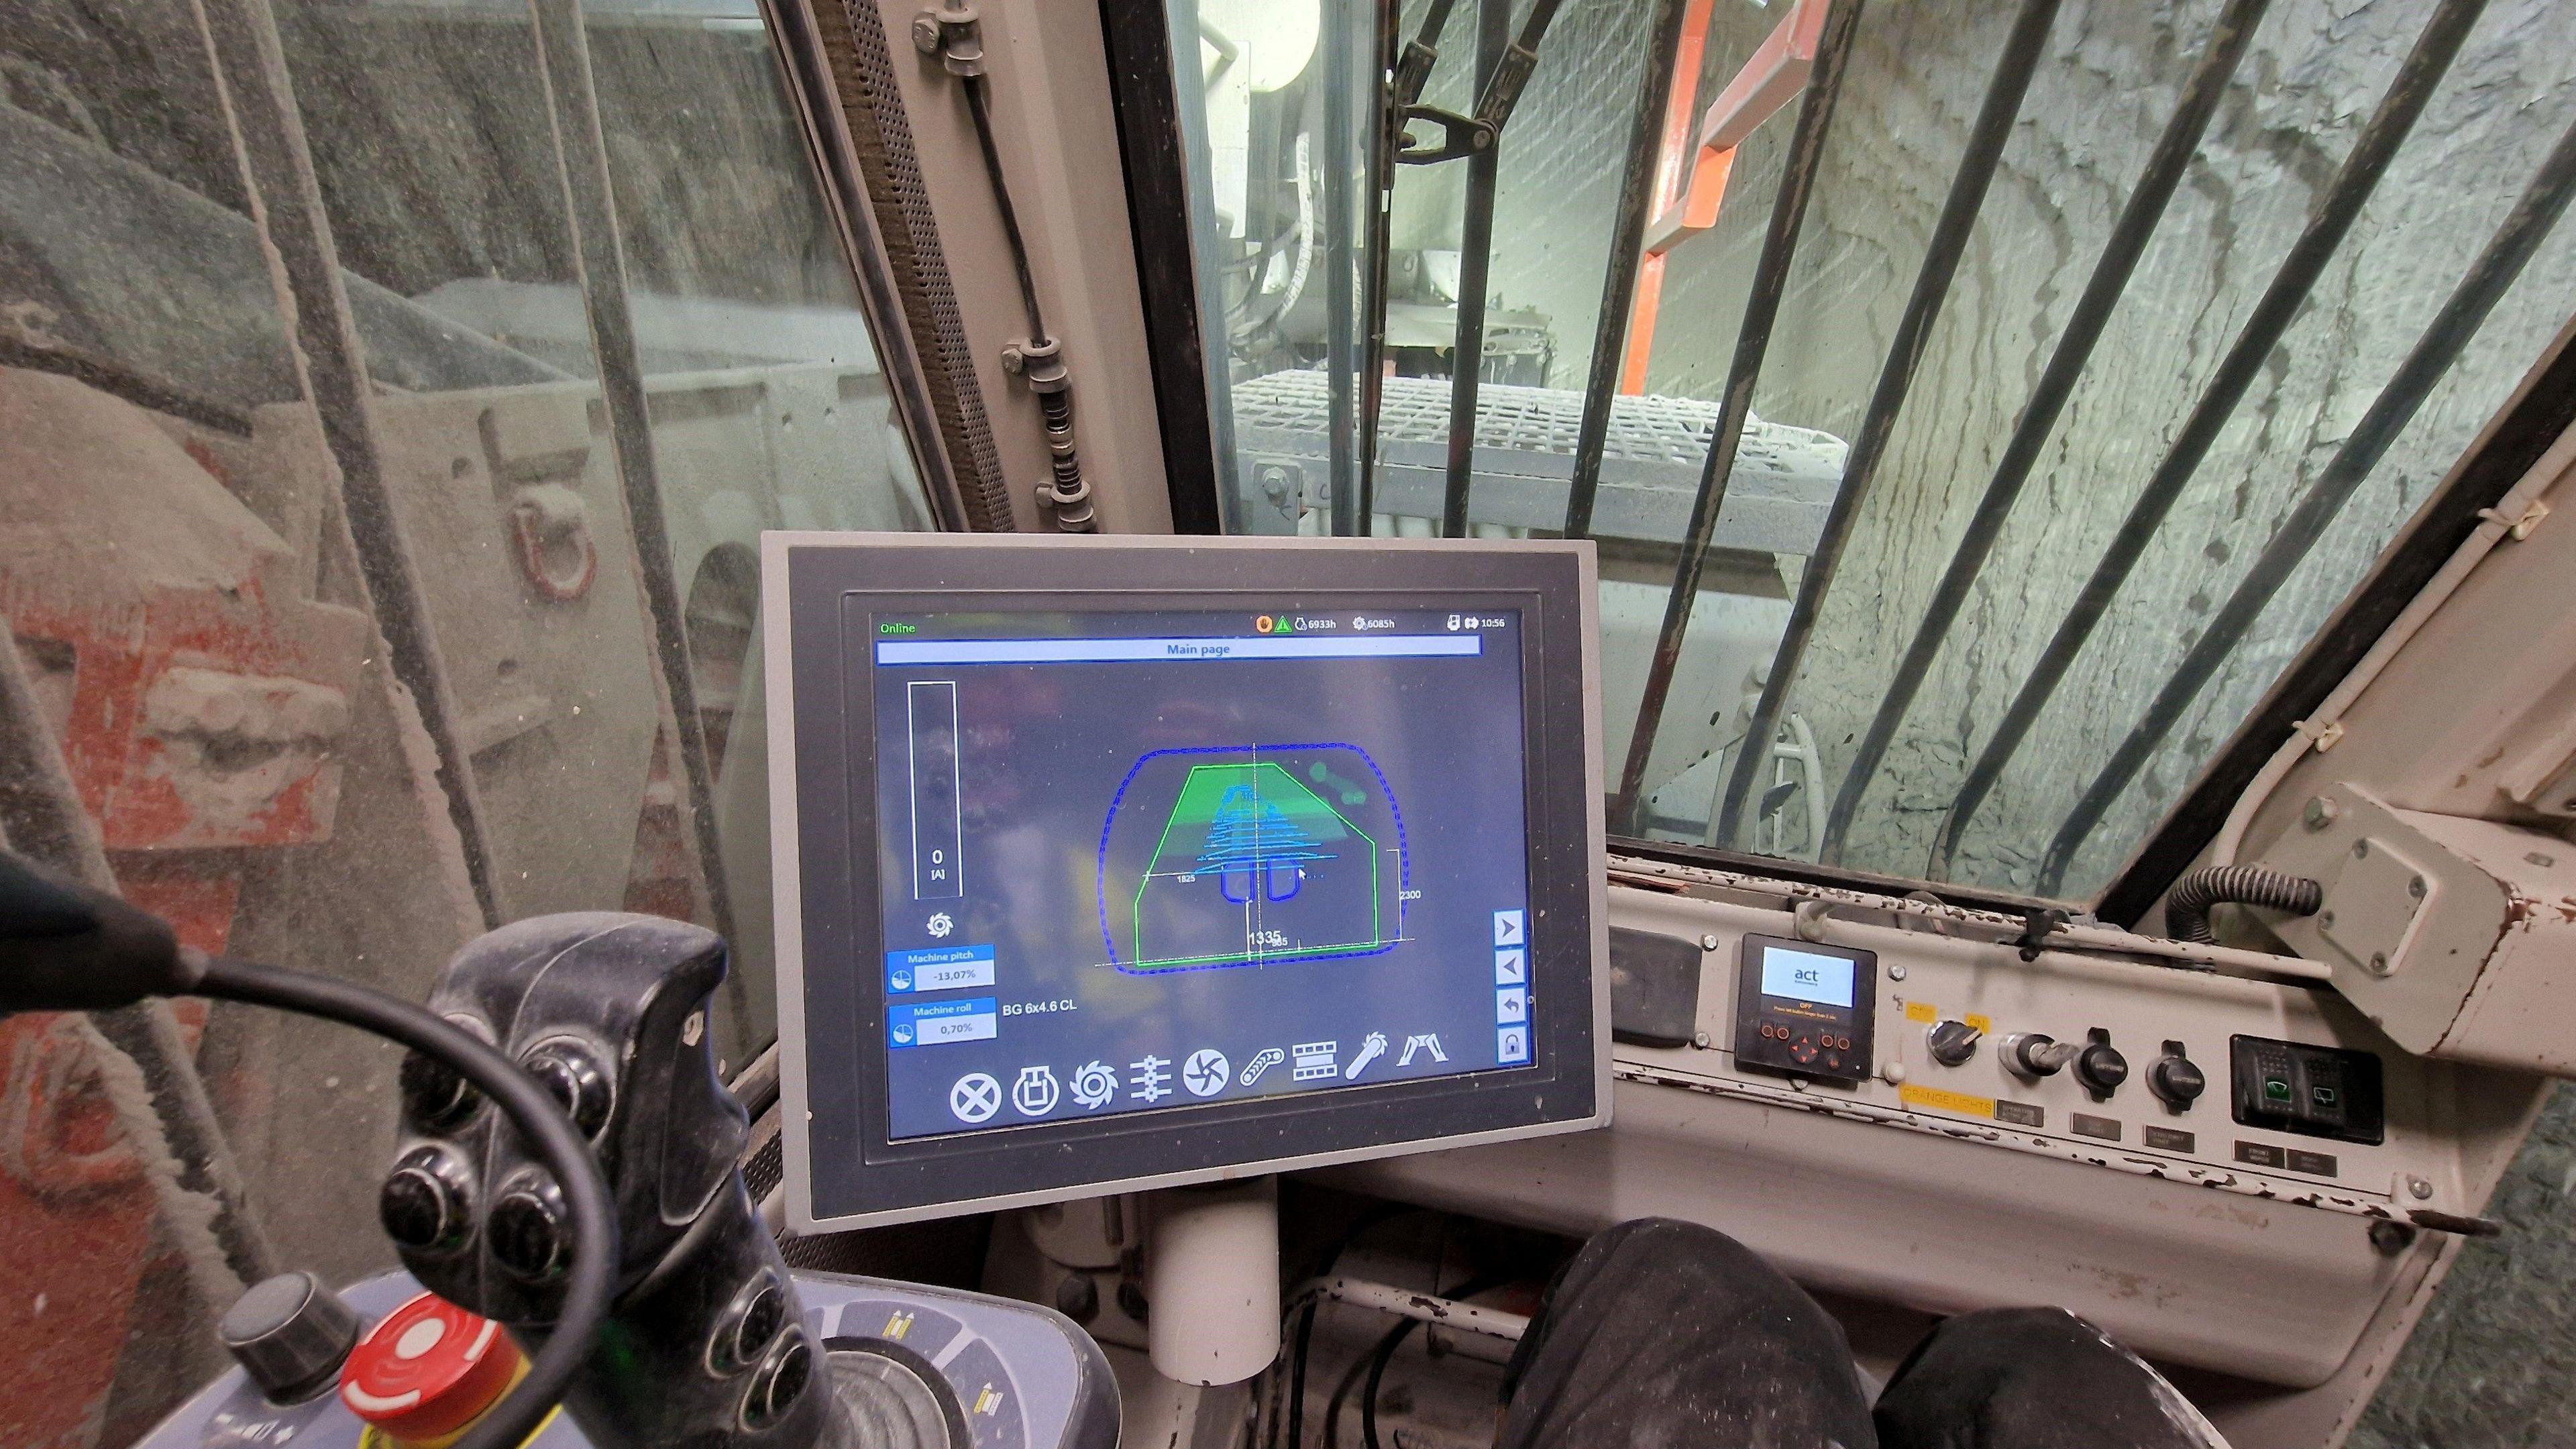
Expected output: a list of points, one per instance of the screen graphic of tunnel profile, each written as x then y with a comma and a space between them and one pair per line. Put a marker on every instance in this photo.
1251, 855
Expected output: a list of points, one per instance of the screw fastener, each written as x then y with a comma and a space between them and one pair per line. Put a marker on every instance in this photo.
2419, 1188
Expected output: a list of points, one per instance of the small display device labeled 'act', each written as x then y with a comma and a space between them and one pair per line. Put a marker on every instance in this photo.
1805, 1009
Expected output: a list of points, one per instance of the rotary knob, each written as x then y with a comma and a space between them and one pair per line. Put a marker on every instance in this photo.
1953, 1042
290, 1335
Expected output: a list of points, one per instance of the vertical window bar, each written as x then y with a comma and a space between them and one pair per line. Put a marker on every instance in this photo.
1385, 140
1627, 253
1958, 220
331, 366
1753, 340
2136, 225
2462, 314
581, 153
2417, 77
1475, 262
1341, 91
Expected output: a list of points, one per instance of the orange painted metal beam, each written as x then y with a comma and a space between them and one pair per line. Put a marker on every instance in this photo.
1687, 206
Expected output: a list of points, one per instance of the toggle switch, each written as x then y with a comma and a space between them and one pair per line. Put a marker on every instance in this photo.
2036, 1054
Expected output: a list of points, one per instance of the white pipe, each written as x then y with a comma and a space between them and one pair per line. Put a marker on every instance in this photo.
1421, 1307
1212, 1276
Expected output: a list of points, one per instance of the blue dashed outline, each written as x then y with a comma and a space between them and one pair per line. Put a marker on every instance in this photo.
1403, 856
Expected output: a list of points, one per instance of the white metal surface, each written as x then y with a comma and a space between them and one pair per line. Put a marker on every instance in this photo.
2188, 1256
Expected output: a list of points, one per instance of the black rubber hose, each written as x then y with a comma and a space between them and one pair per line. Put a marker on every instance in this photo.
2187, 905
592, 1277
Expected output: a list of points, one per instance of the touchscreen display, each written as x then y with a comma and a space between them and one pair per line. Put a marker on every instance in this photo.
1806, 976
1140, 861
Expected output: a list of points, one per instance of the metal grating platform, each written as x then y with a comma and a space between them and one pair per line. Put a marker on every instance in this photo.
1783, 483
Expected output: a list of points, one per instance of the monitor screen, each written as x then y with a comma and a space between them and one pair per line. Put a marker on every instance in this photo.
1807, 976
1288, 855
1136, 860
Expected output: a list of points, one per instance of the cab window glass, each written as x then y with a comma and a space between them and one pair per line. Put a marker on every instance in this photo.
2009, 695
391, 399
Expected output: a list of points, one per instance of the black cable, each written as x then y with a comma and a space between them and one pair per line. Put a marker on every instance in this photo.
1394, 1340
983, 113
592, 1279
2187, 908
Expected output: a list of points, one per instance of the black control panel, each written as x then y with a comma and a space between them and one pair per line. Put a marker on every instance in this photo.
2315, 1091
1805, 1009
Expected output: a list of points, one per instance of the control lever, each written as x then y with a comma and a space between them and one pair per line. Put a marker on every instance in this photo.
706, 1344
2036, 1054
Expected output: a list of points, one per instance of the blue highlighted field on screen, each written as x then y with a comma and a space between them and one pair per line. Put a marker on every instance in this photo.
939, 968
1124, 651
936, 1023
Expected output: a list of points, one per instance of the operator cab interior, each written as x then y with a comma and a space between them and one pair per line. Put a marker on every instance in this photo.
1239, 724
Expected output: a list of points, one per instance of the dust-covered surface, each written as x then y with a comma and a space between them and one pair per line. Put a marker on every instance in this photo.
2493, 1363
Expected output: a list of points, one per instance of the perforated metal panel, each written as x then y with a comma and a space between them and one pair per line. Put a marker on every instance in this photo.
1783, 482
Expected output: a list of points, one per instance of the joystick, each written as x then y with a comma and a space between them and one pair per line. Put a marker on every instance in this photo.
707, 1344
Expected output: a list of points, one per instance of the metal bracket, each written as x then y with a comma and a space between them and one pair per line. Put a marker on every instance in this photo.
1462, 136
2519, 528
955, 34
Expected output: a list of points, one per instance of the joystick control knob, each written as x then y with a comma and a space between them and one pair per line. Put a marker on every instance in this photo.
290, 1335
425, 1202
526, 1228
434, 1096
573, 1078
1953, 1042
2176, 1080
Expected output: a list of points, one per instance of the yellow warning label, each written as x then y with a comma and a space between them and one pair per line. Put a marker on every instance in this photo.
1980, 1021
1941, 1101
897, 1325
1922, 1011
988, 1401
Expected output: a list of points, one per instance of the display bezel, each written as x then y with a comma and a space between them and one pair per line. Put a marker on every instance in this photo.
1755, 1054
821, 594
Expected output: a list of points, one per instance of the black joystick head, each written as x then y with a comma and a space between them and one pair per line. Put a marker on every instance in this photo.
609, 1013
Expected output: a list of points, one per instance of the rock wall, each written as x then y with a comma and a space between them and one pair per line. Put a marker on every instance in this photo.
2489, 1365
2311, 78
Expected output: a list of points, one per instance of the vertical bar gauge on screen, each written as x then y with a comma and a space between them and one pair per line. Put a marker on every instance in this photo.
938, 823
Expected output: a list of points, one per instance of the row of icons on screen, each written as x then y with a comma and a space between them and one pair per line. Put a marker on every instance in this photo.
977, 1096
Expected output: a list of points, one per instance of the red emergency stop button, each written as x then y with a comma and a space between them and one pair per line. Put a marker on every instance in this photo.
427, 1370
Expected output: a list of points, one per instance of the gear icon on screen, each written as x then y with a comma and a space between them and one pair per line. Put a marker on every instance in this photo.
939, 925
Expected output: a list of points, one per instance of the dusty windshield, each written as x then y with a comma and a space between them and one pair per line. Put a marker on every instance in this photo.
391, 398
